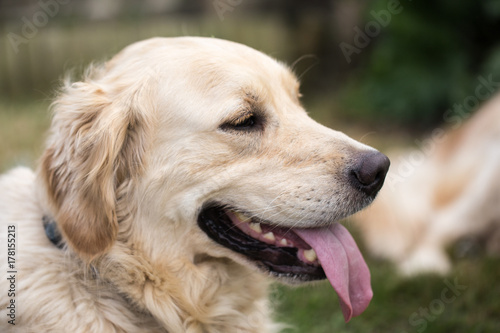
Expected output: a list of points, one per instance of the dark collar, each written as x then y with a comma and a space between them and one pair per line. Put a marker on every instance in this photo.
52, 232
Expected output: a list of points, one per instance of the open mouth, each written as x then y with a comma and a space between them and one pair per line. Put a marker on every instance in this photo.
277, 250
295, 254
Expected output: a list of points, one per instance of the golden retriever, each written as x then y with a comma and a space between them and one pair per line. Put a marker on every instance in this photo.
448, 190
177, 178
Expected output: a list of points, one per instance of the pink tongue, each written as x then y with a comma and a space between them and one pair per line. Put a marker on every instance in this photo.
344, 266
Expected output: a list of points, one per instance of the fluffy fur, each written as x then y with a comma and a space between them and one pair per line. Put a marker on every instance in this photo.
448, 190
135, 150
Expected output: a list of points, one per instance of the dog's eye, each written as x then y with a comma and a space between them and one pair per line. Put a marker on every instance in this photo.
244, 123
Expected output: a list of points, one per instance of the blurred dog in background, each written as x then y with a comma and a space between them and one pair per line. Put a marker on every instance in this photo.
438, 195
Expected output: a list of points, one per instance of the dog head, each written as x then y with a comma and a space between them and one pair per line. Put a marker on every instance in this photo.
202, 148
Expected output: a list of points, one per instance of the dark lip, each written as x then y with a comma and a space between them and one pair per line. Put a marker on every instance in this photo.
281, 262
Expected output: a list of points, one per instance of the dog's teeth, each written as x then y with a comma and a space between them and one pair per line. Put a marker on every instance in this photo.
241, 217
270, 236
284, 242
310, 255
255, 227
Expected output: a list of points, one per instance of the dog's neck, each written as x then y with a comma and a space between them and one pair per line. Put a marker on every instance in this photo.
211, 294
176, 292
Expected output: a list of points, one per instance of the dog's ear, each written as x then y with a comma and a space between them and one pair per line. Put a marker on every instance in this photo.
98, 142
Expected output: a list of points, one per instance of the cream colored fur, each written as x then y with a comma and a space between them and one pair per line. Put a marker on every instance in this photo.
136, 149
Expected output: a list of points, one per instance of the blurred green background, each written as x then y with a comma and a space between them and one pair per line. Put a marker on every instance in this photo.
385, 72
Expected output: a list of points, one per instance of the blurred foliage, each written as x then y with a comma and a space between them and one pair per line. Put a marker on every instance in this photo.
424, 61
68, 46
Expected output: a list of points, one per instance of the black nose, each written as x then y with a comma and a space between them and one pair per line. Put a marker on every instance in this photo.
368, 173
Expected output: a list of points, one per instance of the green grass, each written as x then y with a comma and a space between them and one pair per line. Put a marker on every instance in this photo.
403, 305
22, 128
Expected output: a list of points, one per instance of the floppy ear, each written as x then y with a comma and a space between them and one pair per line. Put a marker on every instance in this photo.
97, 142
